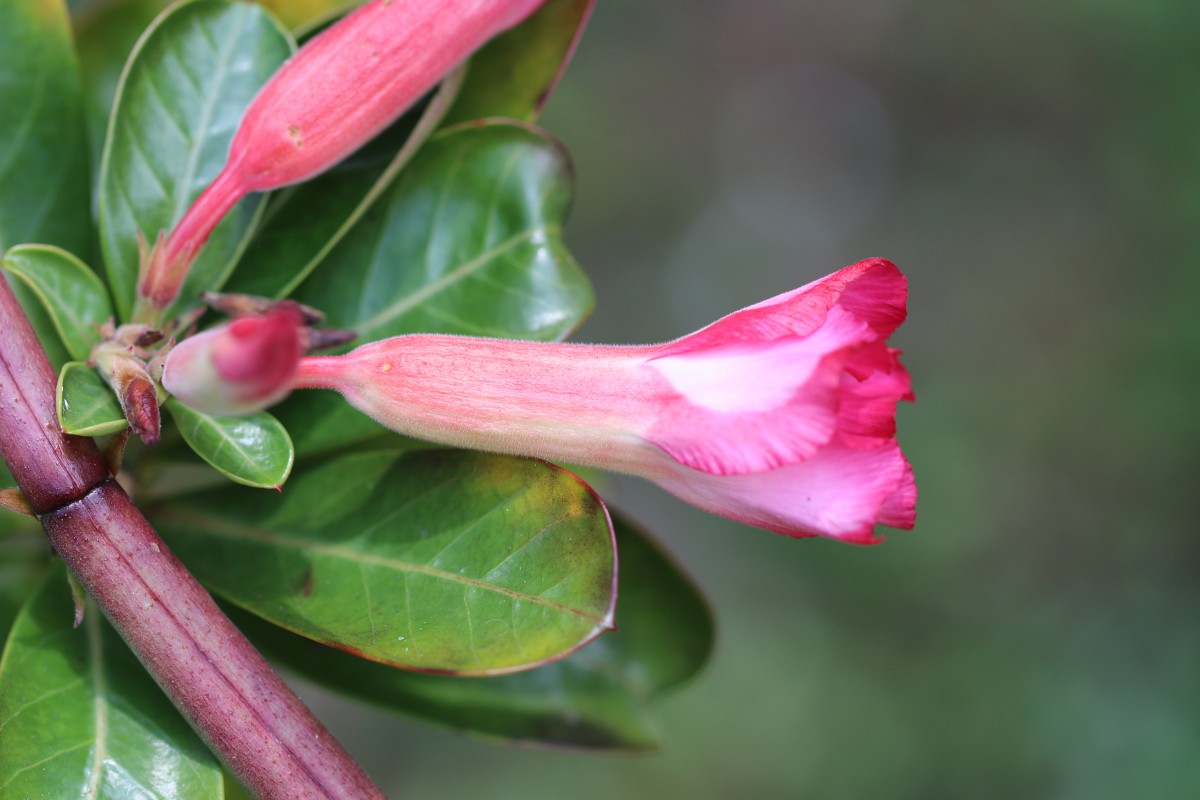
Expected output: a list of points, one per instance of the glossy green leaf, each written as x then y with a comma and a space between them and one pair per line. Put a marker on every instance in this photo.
81, 718
321, 422
304, 223
24, 557
86, 404
43, 326
43, 160
600, 697
513, 75
24, 554
104, 38
179, 103
435, 560
74, 298
468, 240
255, 450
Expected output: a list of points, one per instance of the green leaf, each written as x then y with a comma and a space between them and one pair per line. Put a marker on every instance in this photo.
86, 404
304, 223
24, 556
254, 451
43, 160
74, 298
513, 75
42, 325
468, 240
104, 38
434, 560
599, 697
81, 718
321, 422
179, 103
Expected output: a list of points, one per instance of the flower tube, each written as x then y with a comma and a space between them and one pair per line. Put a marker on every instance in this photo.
781, 415
339, 90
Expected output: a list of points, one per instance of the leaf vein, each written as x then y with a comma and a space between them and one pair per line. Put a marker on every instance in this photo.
16, 712
205, 525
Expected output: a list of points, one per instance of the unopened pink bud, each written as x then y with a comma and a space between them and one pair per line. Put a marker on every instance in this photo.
240, 367
339, 91
129, 378
781, 415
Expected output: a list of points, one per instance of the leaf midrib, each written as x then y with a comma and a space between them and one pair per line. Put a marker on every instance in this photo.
185, 178
458, 273
95, 646
203, 524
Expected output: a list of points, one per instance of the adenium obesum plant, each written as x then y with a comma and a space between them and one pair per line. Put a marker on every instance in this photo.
780, 415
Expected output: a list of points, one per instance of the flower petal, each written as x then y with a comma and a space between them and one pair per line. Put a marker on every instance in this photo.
874, 291
841, 492
749, 406
874, 381
899, 509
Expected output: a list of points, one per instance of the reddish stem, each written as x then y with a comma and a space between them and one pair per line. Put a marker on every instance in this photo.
249, 717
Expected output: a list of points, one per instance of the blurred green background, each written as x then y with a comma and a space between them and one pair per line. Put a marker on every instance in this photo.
1033, 168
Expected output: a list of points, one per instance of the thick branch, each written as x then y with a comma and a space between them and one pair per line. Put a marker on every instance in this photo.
261, 731
51, 468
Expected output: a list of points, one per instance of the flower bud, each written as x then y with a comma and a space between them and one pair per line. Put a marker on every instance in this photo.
781, 415
339, 90
126, 373
239, 367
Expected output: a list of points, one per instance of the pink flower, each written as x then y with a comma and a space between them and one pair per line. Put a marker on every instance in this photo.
239, 367
781, 415
339, 91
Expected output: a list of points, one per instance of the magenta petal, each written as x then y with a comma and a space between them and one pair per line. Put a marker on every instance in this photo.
750, 407
899, 509
840, 492
874, 381
874, 291
877, 295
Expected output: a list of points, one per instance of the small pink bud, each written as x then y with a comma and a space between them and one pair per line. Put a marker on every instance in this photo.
781, 415
339, 91
239, 367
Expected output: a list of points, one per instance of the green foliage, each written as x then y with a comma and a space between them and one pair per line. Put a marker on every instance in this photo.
75, 299
39, 318
82, 718
86, 405
476, 220
305, 223
42, 158
596, 698
512, 76
178, 105
433, 561
253, 451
